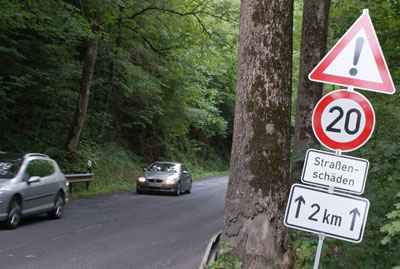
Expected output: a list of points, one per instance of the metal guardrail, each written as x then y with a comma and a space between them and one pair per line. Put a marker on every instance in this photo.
81, 177
211, 251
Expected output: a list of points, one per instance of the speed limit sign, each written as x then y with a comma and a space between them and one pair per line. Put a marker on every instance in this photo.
343, 120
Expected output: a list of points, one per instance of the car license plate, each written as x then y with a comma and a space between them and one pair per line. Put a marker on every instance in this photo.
154, 184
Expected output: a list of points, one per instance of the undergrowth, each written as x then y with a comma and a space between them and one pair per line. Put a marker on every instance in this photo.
115, 169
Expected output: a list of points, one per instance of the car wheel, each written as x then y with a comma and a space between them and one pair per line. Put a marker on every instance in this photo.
14, 214
58, 208
189, 190
178, 189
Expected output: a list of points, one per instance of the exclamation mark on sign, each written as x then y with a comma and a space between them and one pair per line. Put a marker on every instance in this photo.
359, 45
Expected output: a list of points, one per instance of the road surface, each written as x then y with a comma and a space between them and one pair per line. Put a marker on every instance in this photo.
123, 230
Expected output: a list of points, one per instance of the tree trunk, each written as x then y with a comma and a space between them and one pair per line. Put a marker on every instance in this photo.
83, 98
313, 47
259, 173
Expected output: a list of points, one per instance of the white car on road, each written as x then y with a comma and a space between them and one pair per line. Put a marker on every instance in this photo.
30, 184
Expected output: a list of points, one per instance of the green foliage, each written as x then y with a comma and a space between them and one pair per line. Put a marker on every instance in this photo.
225, 259
392, 229
177, 81
114, 168
38, 69
297, 23
305, 247
163, 85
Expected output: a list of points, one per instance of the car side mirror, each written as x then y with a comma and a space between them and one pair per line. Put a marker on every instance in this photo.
185, 172
34, 179
144, 169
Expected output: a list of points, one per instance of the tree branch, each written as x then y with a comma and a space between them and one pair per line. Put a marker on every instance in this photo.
200, 9
148, 42
194, 11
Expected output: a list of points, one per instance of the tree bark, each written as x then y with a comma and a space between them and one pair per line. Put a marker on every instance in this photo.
83, 98
259, 173
313, 48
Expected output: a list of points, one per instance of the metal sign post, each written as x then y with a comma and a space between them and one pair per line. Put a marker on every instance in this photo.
321, 238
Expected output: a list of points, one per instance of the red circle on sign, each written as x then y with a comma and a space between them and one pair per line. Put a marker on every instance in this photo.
361, 138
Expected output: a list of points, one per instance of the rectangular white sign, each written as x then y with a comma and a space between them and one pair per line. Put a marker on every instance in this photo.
326, 169
334, 214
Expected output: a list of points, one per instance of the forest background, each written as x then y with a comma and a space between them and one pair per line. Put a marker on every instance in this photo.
159, 81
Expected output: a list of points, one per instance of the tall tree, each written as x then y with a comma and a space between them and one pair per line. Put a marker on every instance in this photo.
313, 47
259, 179
86, 79
83, 97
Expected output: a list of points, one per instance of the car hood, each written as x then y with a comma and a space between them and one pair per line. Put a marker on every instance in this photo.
4, 182
158, 175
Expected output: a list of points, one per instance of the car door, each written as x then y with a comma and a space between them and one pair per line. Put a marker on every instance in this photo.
40, 183
32, 192
49, 182
185, 176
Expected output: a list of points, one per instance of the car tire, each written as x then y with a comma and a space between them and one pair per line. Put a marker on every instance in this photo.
178, 189
58, 209
189, 190
14, 214
139, 191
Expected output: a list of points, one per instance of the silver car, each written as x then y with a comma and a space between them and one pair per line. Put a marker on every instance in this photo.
165, 177
30, 184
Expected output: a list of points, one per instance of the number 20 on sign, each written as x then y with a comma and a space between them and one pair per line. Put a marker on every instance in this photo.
343, 120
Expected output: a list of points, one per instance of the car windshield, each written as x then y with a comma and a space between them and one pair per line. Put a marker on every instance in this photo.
164, 167
9, 166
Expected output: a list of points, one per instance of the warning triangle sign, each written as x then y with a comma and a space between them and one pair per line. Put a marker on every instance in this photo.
356, 60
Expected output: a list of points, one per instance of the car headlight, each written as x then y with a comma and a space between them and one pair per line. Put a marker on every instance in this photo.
142, 179
171, 180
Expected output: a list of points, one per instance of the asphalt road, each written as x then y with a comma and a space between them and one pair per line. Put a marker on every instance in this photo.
123, 230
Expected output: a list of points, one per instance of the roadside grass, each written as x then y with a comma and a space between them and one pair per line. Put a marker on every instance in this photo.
116, 170
205, 174
101, 185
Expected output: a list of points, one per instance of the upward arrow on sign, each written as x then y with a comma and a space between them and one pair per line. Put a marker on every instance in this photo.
355, 213
356, 60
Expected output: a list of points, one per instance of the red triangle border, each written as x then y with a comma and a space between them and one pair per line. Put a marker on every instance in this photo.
386, 86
